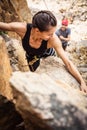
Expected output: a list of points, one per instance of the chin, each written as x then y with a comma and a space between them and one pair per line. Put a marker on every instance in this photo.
46, 39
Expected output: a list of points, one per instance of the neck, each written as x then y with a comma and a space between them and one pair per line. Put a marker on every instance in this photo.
34, 34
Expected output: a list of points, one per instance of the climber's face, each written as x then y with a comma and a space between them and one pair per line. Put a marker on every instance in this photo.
45, 35
63, 27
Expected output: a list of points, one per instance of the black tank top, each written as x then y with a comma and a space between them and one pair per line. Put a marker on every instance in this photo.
30, 50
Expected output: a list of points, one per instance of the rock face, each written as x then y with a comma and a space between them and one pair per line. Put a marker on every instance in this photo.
7, 12
14, 10
10, 119
72, 9
5, 71
54, 67
79, 56
48, 98
16, 54
46, 101
22, 9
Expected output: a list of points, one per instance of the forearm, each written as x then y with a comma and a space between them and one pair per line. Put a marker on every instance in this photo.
65, 39
18, 27
73, 70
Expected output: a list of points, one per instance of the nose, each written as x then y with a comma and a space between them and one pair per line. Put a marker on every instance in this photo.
51, 35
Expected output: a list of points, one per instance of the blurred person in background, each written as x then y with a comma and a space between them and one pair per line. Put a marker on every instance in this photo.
64, 33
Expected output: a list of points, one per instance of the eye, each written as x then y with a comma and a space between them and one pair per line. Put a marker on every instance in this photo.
51, 34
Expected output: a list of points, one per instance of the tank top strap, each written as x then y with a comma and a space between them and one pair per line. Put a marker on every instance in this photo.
27, 34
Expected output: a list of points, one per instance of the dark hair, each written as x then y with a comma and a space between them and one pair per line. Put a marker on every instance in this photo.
43, 20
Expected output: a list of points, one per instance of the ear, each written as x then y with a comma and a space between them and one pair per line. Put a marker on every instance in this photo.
37, 30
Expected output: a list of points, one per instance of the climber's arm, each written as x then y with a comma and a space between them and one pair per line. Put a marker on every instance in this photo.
18, 27
56, 43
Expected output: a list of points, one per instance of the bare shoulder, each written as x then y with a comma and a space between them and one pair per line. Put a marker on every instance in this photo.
57, 45
54, 42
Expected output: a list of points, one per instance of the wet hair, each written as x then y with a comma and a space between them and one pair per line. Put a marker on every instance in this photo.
43, 20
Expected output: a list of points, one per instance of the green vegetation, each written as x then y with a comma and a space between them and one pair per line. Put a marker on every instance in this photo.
3, 32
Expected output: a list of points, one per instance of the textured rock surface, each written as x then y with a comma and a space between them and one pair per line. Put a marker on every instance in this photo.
14, 10
73, 9
79, 57
10, 119
48, 103
22, 9
16, 54
54, 67
5, 71
7, 12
